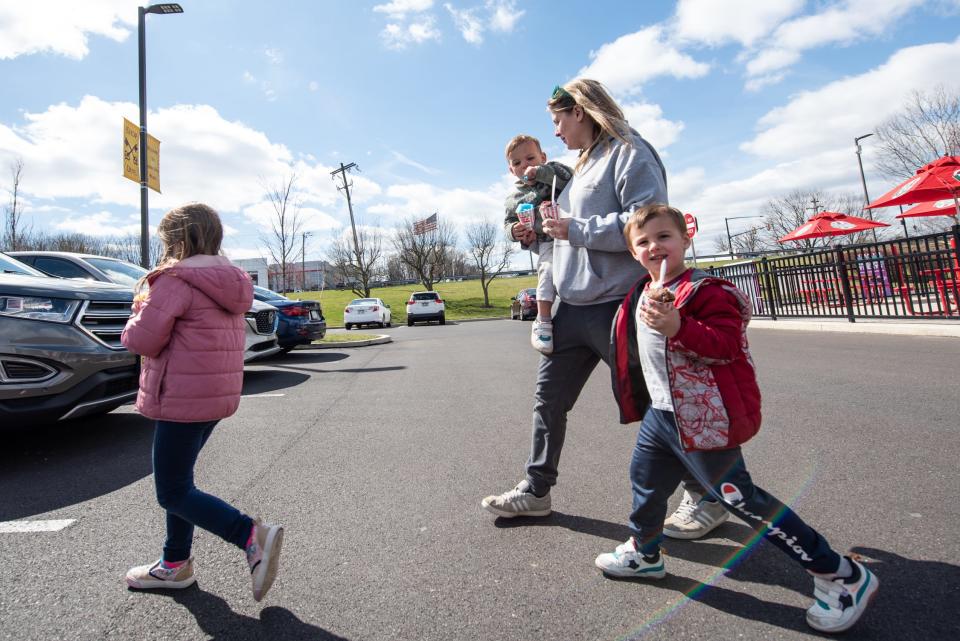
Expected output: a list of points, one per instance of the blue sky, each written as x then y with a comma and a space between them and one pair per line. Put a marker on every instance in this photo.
745, 100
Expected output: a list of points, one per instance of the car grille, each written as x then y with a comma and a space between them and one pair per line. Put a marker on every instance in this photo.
15, 370
266, 321
104, 320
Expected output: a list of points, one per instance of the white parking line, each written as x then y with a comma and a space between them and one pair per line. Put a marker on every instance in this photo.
53, 525
261, 395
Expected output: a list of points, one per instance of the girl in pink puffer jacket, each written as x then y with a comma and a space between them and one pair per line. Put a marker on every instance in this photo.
188, 325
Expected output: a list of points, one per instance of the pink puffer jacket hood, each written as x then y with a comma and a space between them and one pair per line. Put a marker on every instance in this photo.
190, 329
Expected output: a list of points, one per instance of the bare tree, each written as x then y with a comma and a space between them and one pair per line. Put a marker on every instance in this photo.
12, 231
490, 253
788, 212
425, 254
928, 127
285, 226
357, 266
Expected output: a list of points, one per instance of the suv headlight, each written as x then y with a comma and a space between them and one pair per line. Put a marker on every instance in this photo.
57, 310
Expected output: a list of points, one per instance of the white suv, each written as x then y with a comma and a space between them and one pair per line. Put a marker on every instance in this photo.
425, 306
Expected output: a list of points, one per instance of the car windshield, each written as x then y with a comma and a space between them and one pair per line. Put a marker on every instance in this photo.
364, 301
9, 265
265, 294
531, 292
119, 271
429, 296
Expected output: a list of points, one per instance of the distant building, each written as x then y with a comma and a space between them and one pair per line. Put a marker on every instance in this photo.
312, 275
256, 268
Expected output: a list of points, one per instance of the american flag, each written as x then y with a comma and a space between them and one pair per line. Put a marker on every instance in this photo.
425, 225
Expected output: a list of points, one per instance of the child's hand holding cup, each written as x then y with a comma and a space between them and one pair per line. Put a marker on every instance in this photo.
525, 214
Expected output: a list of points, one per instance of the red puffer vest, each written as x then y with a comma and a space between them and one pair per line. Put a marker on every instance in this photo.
190, 331
713, 383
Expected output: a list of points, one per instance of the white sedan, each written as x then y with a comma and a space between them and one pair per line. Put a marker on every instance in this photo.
366, 311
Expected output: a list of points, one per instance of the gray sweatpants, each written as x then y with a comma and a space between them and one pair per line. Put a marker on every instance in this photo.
581, 339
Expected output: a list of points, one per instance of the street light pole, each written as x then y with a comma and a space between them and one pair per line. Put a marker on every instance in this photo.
142, 64
729, 237
863, 179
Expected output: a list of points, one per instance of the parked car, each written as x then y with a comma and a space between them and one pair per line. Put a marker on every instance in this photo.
301, 321
60, 351
367, 311
425, 306
524, 305
260, 341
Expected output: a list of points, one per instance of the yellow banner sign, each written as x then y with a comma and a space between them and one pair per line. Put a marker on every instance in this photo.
131, 151
153, 163
131, 156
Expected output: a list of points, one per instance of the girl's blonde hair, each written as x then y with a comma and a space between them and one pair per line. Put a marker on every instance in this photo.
185, 231
597, 104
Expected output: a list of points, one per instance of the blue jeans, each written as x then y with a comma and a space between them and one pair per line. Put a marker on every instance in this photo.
175, 450
659, 463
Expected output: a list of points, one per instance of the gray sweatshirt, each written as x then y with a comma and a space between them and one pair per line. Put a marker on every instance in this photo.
594, 265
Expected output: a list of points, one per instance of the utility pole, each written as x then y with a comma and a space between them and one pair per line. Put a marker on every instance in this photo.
346, 190
303, 258
863, 179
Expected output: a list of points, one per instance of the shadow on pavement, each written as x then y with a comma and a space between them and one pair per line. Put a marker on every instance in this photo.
260, 381
53, 466
218, 621
348, 370
303, 356
906, 585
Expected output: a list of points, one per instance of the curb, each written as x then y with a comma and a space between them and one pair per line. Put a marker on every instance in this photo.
950, 330
379, 340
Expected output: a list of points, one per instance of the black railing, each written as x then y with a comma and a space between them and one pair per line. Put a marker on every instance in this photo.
906, 278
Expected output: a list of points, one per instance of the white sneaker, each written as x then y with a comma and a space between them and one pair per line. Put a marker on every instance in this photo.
519, 501
841, 602
694, 517
627, 561
541, 336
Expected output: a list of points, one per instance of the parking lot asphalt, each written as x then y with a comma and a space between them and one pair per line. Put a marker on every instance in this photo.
376, 458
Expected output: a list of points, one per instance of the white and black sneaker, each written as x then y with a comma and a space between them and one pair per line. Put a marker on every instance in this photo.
841, 602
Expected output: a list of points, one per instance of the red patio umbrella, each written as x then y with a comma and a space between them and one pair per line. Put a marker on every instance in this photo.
830, 223
945, 207
935, 181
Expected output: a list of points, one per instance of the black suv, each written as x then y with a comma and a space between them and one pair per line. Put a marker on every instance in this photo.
60, 351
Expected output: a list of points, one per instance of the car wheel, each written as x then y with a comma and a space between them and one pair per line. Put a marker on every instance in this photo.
443, 320
347, 326
287, 350
390, 322
409, 323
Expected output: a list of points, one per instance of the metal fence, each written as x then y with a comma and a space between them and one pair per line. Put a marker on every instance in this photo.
906, 278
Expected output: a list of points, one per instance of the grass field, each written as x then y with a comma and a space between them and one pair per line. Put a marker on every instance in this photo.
461, 299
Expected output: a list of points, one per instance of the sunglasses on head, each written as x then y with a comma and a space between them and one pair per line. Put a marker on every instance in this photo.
559, 92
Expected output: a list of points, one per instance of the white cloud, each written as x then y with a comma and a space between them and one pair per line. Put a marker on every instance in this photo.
74, 151
263, 215
648, 119
398, 9
816, 120
313, 85
32, 27
412, 163
742, 21
504, 15
459, 207
626, 63
102, 223
274, 55
469, 24
400, 35
845, 23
